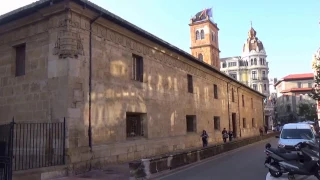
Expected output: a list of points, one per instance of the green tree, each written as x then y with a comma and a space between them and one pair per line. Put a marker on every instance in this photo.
315, 92
309, 111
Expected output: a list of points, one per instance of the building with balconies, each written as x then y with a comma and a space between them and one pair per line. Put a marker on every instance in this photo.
291, 92
251, 68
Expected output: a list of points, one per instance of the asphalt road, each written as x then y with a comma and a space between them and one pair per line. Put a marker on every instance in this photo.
244, 164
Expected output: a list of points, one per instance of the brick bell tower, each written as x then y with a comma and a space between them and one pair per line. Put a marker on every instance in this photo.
204, 38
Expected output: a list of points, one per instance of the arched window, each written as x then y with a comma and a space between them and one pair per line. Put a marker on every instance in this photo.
255, 61
251, 62
261, 61
264, 61
197, 35
247, 63
202, 34
200, 57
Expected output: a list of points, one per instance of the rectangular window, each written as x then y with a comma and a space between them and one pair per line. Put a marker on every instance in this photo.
190, 83
232, 95
254, 123
242, 100
299, 85
137, 68
216, 121
265, 87
234, 76
309, 85
254, 75
287, 98
20, 60
244, 121
251, 103
134, 123
191, 123
215, 91
254, 86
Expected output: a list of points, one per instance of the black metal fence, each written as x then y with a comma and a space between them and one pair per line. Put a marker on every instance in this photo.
31, 145
6, 135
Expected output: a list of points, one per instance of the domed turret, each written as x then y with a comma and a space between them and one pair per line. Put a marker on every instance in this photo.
253, 43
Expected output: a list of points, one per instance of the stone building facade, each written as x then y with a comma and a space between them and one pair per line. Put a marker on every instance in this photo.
125, 93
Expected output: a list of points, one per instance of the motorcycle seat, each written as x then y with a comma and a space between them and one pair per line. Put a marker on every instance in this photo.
284, 154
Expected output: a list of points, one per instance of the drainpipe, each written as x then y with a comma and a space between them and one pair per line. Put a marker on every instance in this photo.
228, 99
90, 80
239, 109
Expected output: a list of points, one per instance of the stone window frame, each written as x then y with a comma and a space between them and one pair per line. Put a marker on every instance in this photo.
216, 123
200, 57
215, 91
191, 123
136, 125
190, 83
244, 123
243, 103
254, 123
20, 67
213, 36
299, 84
232, 95
137, 68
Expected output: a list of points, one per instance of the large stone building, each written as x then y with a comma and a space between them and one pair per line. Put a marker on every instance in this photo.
125, 93
293, 90
251, 68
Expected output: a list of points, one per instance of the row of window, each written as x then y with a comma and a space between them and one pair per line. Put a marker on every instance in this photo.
135, 124
255, 87
300, 85
200, 35
244, 63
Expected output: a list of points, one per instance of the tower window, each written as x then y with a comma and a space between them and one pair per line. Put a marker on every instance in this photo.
200, 57
213, 37
202, 34
255, 61
197, 35
251, 62
265, 87
261, 62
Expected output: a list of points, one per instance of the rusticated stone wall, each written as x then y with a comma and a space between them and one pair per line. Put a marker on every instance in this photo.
56, 85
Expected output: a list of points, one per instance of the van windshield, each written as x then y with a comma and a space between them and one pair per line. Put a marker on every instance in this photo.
296, 134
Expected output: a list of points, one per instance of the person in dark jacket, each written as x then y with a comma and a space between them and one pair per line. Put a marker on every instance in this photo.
204, 137
224, 135
230, 135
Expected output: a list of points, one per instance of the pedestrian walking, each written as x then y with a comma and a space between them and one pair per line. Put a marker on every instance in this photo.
224, 135
266, 129
230, 135
204, 137
261, 131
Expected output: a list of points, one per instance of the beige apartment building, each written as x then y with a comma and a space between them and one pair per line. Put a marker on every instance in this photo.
293, 90
125, 94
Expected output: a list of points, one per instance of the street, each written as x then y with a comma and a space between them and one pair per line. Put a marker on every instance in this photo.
246, 163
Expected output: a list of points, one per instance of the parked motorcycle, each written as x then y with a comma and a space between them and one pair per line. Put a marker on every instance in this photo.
304, 162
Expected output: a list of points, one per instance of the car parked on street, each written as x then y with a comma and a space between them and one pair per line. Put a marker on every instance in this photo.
294, 133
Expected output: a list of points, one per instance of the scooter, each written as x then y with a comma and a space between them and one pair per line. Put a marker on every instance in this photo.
307, 163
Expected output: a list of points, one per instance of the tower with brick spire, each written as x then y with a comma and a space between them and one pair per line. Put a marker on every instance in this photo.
204, 38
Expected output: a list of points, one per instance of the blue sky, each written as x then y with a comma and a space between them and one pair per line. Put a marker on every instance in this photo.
289, 29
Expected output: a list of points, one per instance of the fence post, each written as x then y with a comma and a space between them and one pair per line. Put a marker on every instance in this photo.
64, 140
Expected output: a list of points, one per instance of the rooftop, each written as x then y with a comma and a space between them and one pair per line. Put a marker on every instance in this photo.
296, 90
299, 76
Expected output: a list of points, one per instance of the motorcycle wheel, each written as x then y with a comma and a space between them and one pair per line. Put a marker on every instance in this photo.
275, 173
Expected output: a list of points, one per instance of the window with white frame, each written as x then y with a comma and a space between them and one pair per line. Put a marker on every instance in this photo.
254, 75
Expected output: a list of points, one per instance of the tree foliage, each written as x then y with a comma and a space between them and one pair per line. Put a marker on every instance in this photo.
315, 92
309, 111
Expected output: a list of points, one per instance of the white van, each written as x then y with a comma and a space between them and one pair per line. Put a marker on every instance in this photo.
294, 133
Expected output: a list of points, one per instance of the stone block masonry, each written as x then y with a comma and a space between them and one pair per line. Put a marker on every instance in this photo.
142, 94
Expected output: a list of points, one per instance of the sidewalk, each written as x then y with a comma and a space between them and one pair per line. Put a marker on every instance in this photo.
114, 172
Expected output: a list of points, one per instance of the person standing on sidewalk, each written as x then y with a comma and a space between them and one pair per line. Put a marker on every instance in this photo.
204, 137
224, 135
265, 129
230, 135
